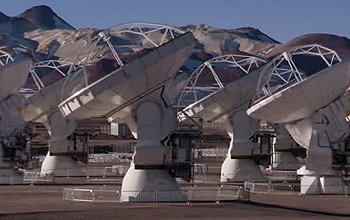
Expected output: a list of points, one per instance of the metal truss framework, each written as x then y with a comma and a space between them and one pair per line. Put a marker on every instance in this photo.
52, 64
82, 59
142, 29
145, 29
287, 74
243, 62
5, 57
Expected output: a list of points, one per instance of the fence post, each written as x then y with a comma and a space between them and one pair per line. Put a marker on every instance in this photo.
72, 194
87, 173
32, 179
346, 190
246, 194
218, 196
189, 194
93, 195
104, 172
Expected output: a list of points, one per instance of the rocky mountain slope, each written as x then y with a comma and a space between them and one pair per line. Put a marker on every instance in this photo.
221, 41
45, 17
42, 24
339, 44
34, 18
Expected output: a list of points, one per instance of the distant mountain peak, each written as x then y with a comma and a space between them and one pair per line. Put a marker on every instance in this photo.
223, 41
43, 16
337, 43
4, 18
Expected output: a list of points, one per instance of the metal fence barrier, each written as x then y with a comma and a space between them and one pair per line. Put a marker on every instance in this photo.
79, 195
281, 175
49, 175
34, 177
211, 152
106, 195
200, 168
116, 170
183, 196
295, 188
270, 187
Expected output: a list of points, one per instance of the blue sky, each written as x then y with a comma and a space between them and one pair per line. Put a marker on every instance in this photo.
280, 19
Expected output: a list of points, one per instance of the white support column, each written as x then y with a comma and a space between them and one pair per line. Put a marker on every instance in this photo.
57, 161
145, 176
318, 177
239, 165
149, 151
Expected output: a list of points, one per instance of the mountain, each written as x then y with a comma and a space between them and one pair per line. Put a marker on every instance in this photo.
211, 42
4, 18
219, 41
38, 17
41, 19
339, 44
43, 16
15, 26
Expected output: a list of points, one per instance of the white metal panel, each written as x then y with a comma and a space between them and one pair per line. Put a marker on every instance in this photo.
129, 82
226, 100
304, 98
13, 77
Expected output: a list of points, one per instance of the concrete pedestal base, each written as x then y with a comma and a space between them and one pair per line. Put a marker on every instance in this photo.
10, 176
284, 161
150, 185
320, 182
240, 170
60, 166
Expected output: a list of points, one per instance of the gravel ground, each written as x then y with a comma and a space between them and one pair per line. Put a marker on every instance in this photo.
45, 202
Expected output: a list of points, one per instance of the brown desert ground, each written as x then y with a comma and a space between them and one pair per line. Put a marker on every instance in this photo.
45, 202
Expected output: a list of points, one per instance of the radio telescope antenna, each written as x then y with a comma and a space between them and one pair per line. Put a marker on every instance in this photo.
304, 89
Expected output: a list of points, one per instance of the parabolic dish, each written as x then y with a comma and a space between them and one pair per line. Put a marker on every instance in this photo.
43, 91
220, 86
301, 99
224, 101
112, 94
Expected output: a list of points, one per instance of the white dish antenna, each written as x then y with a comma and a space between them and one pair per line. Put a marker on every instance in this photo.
206, 79
287, 68
43, 74
112, 94
212, 93
292, 87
